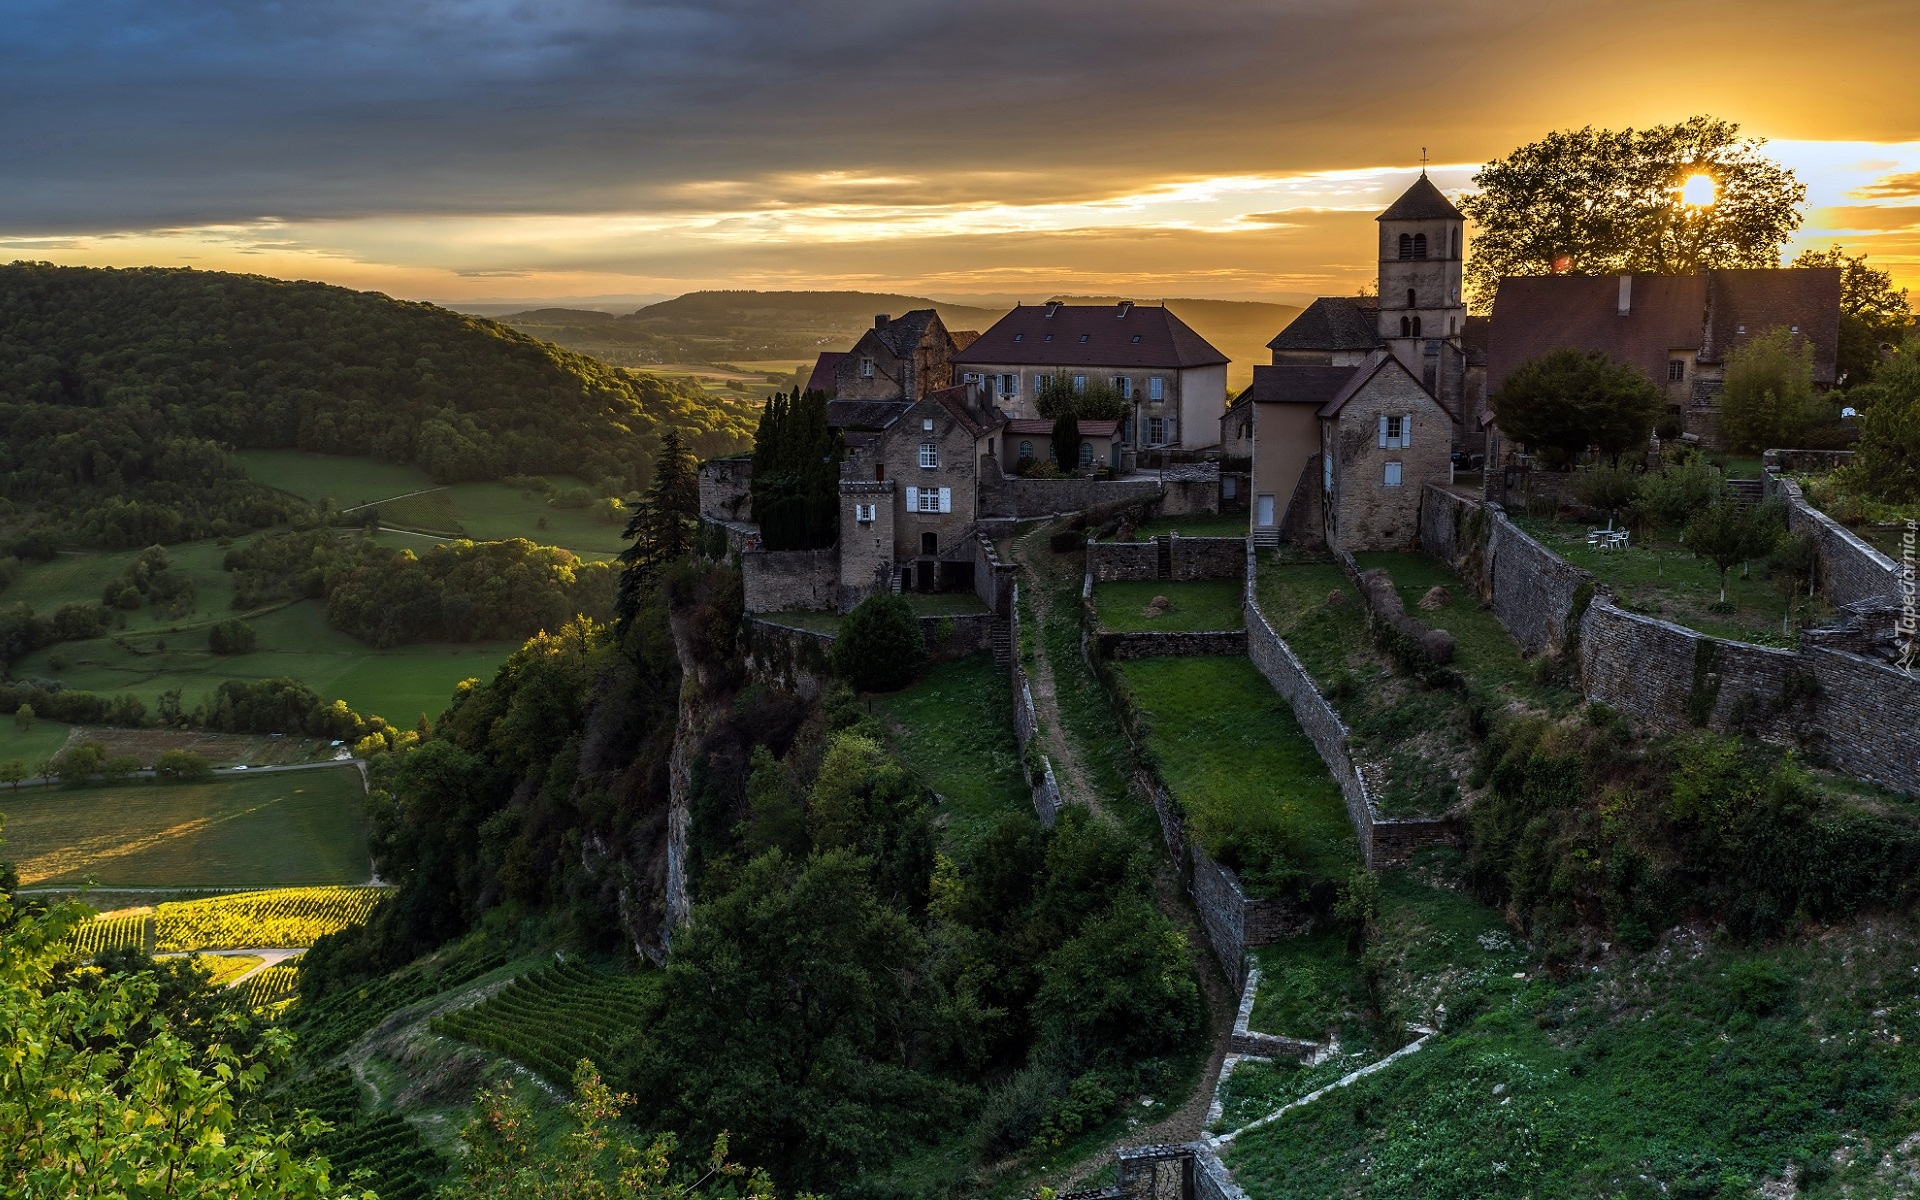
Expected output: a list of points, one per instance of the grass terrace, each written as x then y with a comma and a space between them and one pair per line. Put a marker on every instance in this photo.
1232, 525
1253, 788
1202, 604
1660, 578
1414, 742
1310, 987
954, 729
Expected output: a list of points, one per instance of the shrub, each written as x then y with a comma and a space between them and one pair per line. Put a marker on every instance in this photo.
232, 636
1769, 400
1609, 489
182, 766
1567, 400
880, 648
1669, 497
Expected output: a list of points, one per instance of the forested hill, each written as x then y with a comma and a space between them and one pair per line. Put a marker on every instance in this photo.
119, 388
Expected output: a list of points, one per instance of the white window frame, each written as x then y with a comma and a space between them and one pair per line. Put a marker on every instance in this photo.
930, 500
929, 455
864, 513
1393, 476
1125, 384
866, 368
1079, 383
1156, 431
1156, 388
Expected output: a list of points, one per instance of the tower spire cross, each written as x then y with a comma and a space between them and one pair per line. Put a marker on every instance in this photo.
1423, 160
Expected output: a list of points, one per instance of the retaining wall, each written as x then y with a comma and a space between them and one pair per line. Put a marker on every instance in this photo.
1012, 496
1026, 726
1119, 647
1189, 558
992, 579
1850, 569
1109, 562
774, 580
1208, 557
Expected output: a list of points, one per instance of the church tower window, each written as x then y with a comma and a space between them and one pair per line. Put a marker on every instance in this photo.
1419, 245
1411, 301
1416, 327
1406, 327
1406, 246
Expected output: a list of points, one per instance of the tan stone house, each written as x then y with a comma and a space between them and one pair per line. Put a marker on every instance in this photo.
1029, 439
900, 358
1175, 378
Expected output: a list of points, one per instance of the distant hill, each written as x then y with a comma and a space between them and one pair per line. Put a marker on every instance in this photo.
751, 326
120, 391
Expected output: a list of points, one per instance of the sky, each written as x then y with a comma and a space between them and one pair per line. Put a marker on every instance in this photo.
468, 150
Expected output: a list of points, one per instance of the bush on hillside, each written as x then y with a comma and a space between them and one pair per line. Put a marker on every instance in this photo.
880, 647
232, 636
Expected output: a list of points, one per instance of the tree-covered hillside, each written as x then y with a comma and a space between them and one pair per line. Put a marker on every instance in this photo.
121, 389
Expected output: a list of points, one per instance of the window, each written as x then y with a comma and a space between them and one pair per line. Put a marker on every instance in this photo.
1083, 337
929, 543
866, 368
1406, 327
1156, 388
1019, 337
929, 500
1125, 385
1416, 327
1406, 246
1086, 455
1419, 245
1677, 370
1026, 449
1079, 383
1396, 433
1412, 302
1394, 426
1456, 245
863, 513
1156, 431
1136, 337
929, 455
1393, 474
1049, 337
1009, 385
926, 424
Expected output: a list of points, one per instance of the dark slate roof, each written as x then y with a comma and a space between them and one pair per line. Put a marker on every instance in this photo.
1332, 323
973, 420
822, 378
904, 332
1537, 313
1032, 425
1755, 301
1361, 375
1091, 335
864, 414
1296, 383
1421, 202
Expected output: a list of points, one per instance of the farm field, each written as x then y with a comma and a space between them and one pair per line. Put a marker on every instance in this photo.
277, 917
407, 496
78, 577
550, 1018
954, 729
33, 745
295, 641
292, 827
1237, 761
1201, 604
219, 749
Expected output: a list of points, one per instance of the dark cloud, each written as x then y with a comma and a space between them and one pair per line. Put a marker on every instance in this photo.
125, 115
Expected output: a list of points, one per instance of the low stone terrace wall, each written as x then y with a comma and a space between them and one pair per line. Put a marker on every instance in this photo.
1850, 570
1026, 726
1188, 558
1119, 647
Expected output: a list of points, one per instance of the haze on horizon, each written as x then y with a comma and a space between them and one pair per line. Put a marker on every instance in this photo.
463, 150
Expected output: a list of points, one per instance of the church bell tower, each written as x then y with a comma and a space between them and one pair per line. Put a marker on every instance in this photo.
1422, 310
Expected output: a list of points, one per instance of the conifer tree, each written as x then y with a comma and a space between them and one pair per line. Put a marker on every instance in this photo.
665, 523
796, 474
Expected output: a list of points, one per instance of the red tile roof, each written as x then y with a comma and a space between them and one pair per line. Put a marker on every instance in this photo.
1091, 335
822, 378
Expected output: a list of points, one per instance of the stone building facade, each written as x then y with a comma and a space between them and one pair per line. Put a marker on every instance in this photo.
900, 358
1383, 438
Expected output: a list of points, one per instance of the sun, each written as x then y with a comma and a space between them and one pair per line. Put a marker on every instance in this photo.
1698, 191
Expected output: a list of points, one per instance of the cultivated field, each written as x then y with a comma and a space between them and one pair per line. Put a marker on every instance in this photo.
219, 749
291, 827
33, 745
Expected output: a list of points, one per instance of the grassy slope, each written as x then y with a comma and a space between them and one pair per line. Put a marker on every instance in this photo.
33, 745
1197, 605
1232, 525
1235, 758
954, 728
295, 827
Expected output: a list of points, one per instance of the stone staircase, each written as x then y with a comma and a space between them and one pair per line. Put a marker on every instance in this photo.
1001, 638
1746, 492
1165, 545
1267, 537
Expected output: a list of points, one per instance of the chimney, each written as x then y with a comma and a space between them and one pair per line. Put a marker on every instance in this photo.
1126, 306
1626, 294
880, 320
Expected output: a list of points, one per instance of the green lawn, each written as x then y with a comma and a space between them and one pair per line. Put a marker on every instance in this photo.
1310, 985
1234, 525
1254, 789
1662, 579
398, 684
348, 482
1202, 604
281, 828
79, 578
954, 728
946, 604
34, 745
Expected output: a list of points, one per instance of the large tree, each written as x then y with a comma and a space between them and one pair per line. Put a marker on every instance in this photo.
1567, 400
1604, 201
796, 474
1872, 310
664, 524
1768, 400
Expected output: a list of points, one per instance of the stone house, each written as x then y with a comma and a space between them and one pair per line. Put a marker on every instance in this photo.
1031, 439
909, 496
900, 358
1176, 380
1419, 313
1675, 328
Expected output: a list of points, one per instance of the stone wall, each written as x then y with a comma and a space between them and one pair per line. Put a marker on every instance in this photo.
777, 580
1533, 591
1119, 647
1235, 922
1850, 569
787, 657
1108, 562
1026, 726
1023, 498
957, 636
724, 485
1208, 557
1189, 558
1867, 711
992, 579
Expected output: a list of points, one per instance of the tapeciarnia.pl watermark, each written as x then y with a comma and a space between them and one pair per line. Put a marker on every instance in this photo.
1907, 630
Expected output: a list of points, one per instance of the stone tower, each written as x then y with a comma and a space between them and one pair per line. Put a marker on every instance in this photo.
1422, 310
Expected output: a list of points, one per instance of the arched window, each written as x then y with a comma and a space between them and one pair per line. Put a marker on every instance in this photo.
1406, 246
1419, 245
1411, 301
1086, 455
1416, 327
1406, 327
1026, 449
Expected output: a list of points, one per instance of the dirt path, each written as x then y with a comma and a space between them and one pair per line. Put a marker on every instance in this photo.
1185, 1123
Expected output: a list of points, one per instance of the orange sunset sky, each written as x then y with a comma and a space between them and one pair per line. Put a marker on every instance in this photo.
467, 150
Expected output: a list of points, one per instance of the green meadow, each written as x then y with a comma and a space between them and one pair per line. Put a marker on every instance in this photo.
270, 829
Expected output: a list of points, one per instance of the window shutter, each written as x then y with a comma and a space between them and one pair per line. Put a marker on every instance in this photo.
1173, 430
1406, 431
946, 500
913, 499
1383, 431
